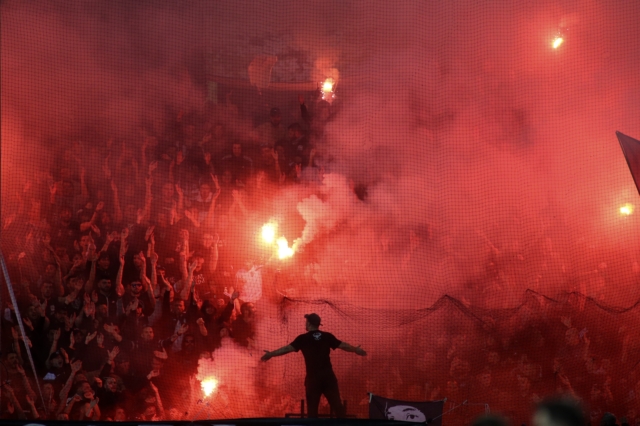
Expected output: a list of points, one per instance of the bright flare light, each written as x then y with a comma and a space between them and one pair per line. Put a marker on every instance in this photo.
327, 89
557, 42
209, 385
627, 209
269, 232
284, 251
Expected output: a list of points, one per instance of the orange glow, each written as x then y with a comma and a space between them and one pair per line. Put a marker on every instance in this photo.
327, 86
269, 232
557, 42
209, 385
326, 89
627, 209
284, 251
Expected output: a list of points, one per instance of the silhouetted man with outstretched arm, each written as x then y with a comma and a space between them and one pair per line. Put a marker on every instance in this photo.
315, 346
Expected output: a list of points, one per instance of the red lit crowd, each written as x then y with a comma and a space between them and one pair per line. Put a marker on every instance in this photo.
128, 267
129, 263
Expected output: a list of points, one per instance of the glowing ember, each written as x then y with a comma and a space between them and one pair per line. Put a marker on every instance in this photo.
284, 251
627, 209
269, 232
209, 385
327, 89
557, 42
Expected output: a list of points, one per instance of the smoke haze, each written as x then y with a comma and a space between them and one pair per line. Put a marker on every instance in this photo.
489, 158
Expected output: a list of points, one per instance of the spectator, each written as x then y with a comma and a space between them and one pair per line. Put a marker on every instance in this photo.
239, 165
559, 412
272, 131
243, 328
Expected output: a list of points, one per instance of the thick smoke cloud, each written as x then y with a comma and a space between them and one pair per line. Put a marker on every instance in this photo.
489, 158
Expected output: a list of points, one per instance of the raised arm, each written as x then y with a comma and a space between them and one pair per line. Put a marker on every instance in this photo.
213, 257
58, 282
64, 392
13, 403
54, 345
84, 192
209, 220
180, 206
184, 255
304, 112
87, 225
238, 199
153, 258
158, 400
92, 275
145, 280
356, 349
193, 218
117, 210
32, 407
148, 198
278, 352
26, 384
108, 240
189, 284
123, 250
201, 327
119, 286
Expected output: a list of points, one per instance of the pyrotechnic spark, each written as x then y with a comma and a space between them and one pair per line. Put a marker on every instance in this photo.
627, 209
327, 89
284, 251
269, 232
557, 42
209, 385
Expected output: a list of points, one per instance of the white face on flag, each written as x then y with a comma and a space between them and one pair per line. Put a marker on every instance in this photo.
405, 413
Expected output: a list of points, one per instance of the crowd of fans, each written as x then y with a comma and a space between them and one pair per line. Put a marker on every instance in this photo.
128, 270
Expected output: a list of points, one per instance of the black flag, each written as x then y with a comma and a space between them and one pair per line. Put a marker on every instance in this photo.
418, 412
631, 151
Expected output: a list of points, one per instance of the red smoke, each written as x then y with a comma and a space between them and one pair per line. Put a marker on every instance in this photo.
489, 158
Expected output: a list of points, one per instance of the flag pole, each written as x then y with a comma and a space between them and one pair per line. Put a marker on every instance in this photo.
25, 339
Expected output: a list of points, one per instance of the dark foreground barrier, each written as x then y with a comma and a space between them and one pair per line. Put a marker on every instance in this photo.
225, 422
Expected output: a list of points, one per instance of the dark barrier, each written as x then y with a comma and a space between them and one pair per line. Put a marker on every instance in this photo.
229, 422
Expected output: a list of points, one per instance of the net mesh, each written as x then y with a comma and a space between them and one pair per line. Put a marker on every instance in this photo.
439, 182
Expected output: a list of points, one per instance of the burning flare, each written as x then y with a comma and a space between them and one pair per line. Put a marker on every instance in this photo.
206, 371
284, 251
269, 232
327, 89
627, 209
281, 245
209, 385
557, 42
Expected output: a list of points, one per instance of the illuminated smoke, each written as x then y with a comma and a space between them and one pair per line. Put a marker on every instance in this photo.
483, 150
323, 215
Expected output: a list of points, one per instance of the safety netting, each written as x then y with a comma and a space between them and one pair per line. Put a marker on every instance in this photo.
440, 182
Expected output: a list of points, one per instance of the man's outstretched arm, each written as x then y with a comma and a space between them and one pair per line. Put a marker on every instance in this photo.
357, 349
278, 352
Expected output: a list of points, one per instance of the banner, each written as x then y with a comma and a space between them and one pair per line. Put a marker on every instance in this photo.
429, 412
631, 151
